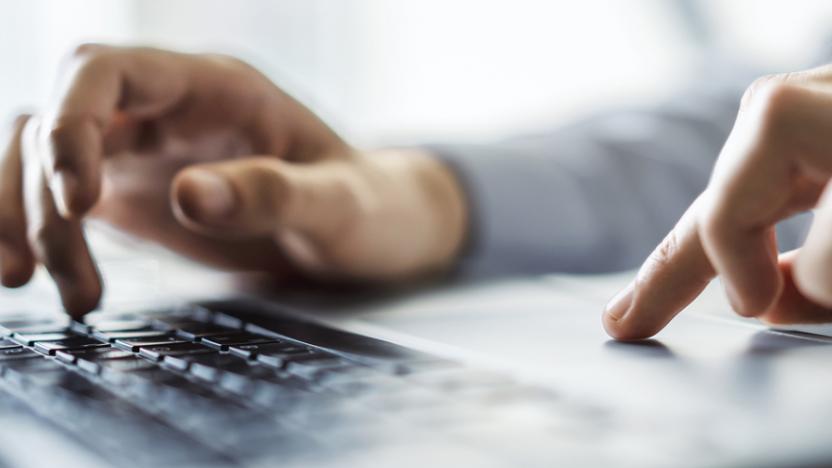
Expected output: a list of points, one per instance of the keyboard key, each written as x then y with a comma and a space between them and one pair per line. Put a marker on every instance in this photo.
10, 354
308, 365
89, 359
117, 371
7, 343
80, 406
112, 325
208, 367
250, 351
33, 325
134, 344
29, 339
145, 332
185, 313
177, 398
157, 353
193, 330
279, 358
223, 342
229, 321
76, 342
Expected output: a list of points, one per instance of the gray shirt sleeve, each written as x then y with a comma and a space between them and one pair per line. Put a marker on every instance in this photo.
599, 194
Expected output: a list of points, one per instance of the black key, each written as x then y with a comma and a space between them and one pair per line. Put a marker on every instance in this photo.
251, 351
76, 342
223, 342
185, 313
7, 343
33, 325
112, 325
207, 366
175, 396
145, 332
193, 330
10, 354
89, 359
118, 371
229, 321
29, 339
121, 325
134, 344
157, 353
279, 357
81, 407
309, 365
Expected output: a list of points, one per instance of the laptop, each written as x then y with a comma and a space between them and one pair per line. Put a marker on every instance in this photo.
500, 372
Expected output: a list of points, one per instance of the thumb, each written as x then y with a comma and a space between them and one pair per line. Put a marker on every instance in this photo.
264, 196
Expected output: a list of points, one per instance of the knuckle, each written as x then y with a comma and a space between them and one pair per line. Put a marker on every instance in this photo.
661, 256
228, 61
774, 105
758, 85
87, 58
270, 178
19, 121
713, 219
777, 98
773, 98
84, 50
69, 137
242, 72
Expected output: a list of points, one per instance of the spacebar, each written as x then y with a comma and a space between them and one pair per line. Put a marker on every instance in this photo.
97, 416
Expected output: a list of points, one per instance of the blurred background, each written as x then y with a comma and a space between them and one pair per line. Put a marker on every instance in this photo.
384, 71
406, 71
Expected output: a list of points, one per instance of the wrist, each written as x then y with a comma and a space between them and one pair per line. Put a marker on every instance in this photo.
435, 203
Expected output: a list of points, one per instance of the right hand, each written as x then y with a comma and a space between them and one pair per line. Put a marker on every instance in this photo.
204, 155
775, 163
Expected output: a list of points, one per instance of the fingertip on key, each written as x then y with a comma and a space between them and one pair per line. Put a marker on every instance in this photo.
80, 303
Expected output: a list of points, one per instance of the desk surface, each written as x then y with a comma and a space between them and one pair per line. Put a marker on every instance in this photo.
714, 386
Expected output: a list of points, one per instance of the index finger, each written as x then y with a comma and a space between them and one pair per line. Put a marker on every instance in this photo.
101, 81
674, 274
773, 165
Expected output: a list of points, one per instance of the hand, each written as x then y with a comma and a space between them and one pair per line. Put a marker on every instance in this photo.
776, 162
205, 156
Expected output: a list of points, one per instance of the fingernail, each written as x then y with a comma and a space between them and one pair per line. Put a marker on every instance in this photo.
620, 303
214, 196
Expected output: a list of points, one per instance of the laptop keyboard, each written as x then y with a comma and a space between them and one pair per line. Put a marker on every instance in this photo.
219, 384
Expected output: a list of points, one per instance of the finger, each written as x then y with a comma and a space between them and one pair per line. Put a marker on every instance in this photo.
58, 243
674, 274
260, 196
792, 306
813, 265
99, 82
775, 158
16, 259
